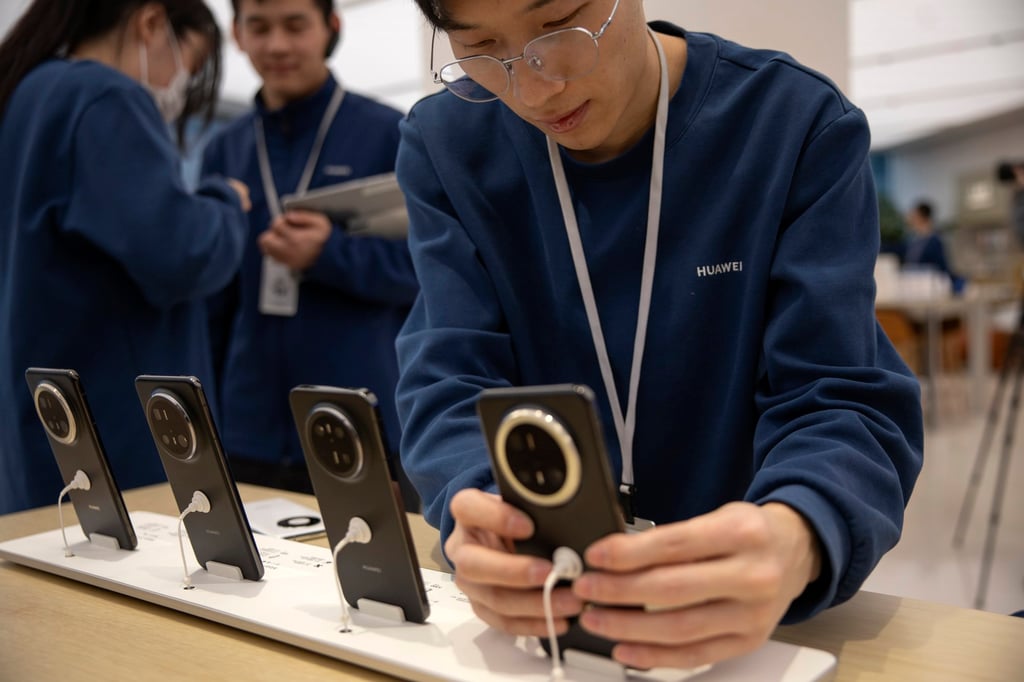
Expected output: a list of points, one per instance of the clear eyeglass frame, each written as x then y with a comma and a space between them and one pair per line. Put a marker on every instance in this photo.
555, 56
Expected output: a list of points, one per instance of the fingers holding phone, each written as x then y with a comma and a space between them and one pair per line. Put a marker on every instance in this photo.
714, 586
502, 587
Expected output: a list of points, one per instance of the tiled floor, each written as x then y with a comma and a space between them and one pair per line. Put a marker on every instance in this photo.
925, 565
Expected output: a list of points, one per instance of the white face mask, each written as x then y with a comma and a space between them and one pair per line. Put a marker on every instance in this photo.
170, 99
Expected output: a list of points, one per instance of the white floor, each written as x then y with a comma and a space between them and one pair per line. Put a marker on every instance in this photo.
925, 565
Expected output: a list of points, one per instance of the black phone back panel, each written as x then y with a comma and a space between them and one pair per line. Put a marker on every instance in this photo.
194, 460
385, 569
587, 515
76, 444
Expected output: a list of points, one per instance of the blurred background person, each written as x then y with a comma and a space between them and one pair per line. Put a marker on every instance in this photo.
105, 256
311, 305
924, 246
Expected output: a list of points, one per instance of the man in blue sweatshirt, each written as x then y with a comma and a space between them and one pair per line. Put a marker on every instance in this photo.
690, 228
311, 305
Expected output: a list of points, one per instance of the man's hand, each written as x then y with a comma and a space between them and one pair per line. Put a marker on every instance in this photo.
296, 238
714, 586
503, 588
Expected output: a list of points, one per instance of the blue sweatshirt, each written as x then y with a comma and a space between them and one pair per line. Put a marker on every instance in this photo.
102, 253
766, 376
352, 301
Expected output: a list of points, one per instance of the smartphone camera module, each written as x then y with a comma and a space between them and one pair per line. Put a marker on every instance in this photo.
334, 441
537, 456
171, 425
55, 413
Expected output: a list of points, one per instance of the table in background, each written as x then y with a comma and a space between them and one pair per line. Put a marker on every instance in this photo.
53, 628
975, 309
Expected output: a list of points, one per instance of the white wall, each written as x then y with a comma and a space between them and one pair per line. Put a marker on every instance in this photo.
816, 32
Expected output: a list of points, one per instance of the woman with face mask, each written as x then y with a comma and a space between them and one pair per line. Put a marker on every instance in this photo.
105, 255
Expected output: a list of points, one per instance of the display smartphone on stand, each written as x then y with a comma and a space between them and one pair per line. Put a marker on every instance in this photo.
60, 403
548, 457
186, 439
345, 452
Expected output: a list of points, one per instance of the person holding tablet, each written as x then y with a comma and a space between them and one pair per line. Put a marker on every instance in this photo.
105, 255
310, 304
689, 227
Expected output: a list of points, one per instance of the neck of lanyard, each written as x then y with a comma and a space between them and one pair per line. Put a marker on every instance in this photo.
625, 423
267, 175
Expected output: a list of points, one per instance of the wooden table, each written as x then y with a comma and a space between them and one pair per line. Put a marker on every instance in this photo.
57, 629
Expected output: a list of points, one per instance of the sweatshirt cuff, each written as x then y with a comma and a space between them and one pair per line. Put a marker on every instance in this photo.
833, 539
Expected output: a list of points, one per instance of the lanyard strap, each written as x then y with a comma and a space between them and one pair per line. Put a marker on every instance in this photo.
267, 175
625, 424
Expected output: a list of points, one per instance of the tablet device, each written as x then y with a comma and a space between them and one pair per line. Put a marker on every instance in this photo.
373, 206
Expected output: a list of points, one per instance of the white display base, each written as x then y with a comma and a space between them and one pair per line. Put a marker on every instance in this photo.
296, 603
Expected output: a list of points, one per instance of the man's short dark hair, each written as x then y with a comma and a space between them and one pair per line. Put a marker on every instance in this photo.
326, 8
924, 209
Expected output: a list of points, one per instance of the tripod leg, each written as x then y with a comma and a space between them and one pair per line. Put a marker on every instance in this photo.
980, 459
1004, 468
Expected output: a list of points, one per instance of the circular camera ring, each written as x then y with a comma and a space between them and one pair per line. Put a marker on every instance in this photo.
553, 427
46, 389
345, 471
183, 453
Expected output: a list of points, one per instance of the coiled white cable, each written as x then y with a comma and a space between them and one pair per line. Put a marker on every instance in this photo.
200, 504
358, 532
565, 565
78, 482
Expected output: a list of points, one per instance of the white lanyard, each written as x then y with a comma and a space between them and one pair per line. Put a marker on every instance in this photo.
269, 188
624, 424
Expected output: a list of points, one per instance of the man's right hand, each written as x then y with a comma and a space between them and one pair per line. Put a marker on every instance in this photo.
504, 588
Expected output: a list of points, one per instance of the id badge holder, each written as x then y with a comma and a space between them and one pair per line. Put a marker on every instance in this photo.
639, 525
634, 524
279, 289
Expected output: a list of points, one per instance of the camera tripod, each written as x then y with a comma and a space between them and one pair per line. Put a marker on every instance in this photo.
1012, 370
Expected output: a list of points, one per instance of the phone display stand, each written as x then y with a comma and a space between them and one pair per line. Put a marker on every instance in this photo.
104, 541
379, 609
591, 664
224, 570
296, 603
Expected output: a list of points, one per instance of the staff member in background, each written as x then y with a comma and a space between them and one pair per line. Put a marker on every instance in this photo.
602, 169
105, 257
333, 316
925, 248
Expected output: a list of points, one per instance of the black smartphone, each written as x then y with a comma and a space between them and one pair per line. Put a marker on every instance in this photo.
549, 460
62, 408
343, 443
186, 439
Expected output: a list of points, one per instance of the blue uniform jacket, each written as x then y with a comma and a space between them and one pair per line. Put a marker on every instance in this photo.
102, 253
766, 376
353, 300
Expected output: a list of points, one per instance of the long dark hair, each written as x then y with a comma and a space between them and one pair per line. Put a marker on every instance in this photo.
52, 28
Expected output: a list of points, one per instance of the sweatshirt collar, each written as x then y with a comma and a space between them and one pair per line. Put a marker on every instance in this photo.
300, 114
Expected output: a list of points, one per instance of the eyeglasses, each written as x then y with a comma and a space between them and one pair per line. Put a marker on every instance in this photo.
561, 55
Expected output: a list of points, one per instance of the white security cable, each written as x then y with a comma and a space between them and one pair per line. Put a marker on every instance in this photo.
200, 504
79, 482
358, 532
566, 564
